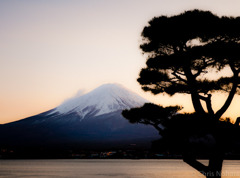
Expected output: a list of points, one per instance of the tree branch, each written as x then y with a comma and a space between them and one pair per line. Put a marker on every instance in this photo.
233, 68
178, 77
205, 65
202, 98
208, 103
228, 101
194, 94
200, 70
155, 125
195, 164
180, 73
158, 128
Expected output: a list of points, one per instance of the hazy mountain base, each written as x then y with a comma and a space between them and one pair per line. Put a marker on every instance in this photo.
105, 131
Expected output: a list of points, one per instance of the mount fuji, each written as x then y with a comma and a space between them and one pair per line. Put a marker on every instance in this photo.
105, 99
92, 120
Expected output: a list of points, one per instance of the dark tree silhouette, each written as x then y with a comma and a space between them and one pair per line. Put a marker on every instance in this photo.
149, 114
181, 51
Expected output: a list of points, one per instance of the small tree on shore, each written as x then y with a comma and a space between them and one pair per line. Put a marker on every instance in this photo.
181, 51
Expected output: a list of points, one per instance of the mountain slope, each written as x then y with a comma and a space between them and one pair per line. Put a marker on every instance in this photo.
92, 120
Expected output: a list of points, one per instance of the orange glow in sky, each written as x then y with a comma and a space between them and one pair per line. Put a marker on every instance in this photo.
51, 49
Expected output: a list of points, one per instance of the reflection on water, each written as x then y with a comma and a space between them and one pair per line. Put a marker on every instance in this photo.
108, 168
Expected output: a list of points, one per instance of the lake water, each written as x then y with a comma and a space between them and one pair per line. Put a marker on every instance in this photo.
108, 168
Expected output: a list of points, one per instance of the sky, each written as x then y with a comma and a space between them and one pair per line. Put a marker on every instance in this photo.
50, 50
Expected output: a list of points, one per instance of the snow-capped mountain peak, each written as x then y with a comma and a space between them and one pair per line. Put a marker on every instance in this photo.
90, 121
102, 100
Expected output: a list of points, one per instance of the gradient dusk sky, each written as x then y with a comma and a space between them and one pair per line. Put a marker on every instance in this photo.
51, 50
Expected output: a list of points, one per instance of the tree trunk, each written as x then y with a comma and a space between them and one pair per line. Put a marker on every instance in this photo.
197, 104
215, 165
213, 170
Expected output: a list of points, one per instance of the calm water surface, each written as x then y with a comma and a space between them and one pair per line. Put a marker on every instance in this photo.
108, 169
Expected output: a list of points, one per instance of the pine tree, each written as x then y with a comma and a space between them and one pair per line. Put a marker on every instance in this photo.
181, 51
